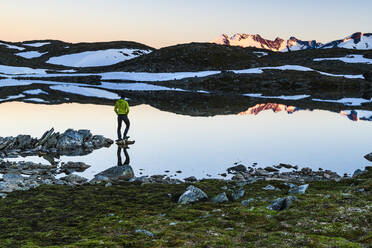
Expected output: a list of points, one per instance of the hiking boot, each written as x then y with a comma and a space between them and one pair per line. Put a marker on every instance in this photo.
126, 137
118, 140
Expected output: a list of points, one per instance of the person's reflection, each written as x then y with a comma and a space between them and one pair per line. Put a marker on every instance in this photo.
127, 160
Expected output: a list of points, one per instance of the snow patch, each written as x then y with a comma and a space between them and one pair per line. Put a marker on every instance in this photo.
35, 92
15, 70
85, 91
97, 58
154, 77
260, 54
294, 97
346, 101
12, 97
37, 44
30, 54
353, 58
12, 46
35, 100
135, 87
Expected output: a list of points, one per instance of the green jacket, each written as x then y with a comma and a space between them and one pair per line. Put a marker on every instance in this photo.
121, 107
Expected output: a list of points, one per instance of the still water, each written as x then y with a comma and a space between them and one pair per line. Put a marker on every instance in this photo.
202, 146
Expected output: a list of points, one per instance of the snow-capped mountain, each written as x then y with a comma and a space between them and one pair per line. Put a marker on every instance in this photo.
279, 44
357, 40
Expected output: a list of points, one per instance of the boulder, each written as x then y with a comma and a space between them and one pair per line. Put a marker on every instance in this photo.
99, 141
298, 189
192, 194
281, 203
44, 137
69, 140
118, 172
220, 198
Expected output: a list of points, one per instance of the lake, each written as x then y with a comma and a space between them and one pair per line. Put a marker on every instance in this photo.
203, 146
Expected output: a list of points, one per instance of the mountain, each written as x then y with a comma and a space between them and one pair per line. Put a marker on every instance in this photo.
357, 40
279, 44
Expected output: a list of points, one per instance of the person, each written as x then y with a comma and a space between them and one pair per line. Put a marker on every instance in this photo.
122, 111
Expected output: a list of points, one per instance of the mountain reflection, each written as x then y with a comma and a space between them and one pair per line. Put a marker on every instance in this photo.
275, 107
354, 115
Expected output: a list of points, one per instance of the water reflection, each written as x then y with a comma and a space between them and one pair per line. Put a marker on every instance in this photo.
354, 115
127, 159
122, 171
164, 140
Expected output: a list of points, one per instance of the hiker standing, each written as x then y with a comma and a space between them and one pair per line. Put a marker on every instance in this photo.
122, 110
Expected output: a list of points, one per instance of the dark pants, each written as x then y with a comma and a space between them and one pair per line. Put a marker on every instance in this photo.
122, 118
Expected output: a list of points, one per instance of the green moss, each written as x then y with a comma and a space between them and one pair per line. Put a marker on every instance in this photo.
330, 214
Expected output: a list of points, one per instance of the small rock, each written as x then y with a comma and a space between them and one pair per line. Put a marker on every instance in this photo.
179, 172
237, 168
357, 173
224, 188
281, 203
306, 171
220, 198
245, 203
299, 189
223, 175
145, 232
108, 184
190, 179
271, 169
173, 223
192, 194
3, 195
287, 166
291, 185
238, 177
269, 187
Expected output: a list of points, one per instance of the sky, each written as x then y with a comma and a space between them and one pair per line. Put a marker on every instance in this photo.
168, 22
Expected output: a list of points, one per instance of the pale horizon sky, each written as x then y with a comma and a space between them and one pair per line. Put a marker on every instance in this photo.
168, 22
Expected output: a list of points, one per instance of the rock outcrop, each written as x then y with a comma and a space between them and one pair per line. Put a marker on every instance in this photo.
71, 142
